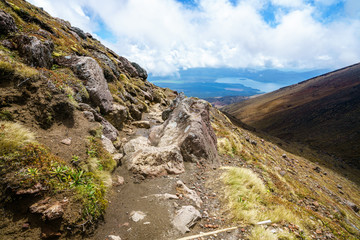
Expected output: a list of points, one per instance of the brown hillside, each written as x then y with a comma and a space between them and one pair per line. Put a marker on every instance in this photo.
322, 112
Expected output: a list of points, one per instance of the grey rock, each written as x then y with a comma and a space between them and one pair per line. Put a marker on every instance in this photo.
6, 43
89, 116
66, 141
137, 216
117, 157
79, 32
126, 67
109, 130
284, 155
186, 136
166, 196
352, 205
108, 145
141, 72
188, 193
118, 116
185, 218
113, 237
152, 161
108, 62
135, 112
282, 173
119, 181
7, 23
35, 52
87, 69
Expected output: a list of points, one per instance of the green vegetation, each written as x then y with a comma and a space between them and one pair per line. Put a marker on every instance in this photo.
24, 163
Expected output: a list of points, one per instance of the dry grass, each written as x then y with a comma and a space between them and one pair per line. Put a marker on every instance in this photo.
260, 233
249, 200
13, 136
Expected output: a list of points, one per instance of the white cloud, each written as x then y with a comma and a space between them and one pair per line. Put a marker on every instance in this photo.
288, 3
164, 36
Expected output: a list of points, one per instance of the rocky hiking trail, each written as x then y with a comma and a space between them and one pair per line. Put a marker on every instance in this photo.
175, 198
147, 208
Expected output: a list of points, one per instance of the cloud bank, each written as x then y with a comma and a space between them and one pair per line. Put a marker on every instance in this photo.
167, 35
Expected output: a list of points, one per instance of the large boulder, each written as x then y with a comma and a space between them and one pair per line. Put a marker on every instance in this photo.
87, 69
186, 135
188, 127
152, 161
7, 23
35, 52
108, 62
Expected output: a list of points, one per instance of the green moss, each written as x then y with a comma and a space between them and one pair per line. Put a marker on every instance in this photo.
96, 151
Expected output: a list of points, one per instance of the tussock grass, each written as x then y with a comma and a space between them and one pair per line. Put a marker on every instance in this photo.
260, 233
250, 202
13, 136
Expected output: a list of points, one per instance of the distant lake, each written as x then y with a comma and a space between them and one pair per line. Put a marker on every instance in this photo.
219, 82
262, 86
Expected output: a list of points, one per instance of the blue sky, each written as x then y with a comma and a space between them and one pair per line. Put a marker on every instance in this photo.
165, 36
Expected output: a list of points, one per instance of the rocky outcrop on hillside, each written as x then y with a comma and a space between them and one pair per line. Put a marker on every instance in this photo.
7, 23
36, 53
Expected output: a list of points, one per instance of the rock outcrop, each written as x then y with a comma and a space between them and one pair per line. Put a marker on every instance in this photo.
87, 69
186, 136
36, 53
7, 23
141, 72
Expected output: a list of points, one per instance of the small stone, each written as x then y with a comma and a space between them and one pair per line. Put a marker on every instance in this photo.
89, 116
113, 237
186, 218
66, 141
137, 216
317, 169
118, 156
146, 223
119, 181
282, 173
284, 155
339, 186
318, 231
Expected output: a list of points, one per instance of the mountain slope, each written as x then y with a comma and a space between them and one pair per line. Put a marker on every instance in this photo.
89, 149
322, 112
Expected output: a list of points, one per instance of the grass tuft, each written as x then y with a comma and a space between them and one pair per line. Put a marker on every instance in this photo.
13, 136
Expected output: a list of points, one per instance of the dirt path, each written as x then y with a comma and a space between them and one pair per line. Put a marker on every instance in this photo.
138, 194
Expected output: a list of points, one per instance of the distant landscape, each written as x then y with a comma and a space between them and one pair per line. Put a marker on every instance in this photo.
220, 82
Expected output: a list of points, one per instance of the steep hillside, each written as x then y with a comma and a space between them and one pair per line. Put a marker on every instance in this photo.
322, 112
223, 101
89, 149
